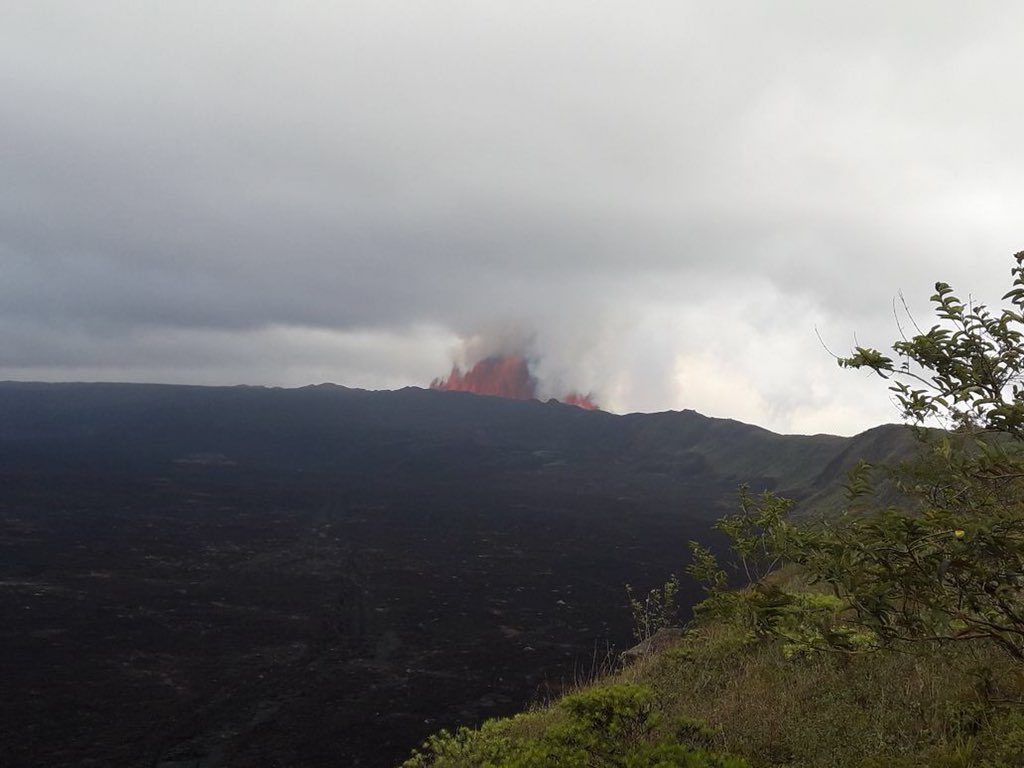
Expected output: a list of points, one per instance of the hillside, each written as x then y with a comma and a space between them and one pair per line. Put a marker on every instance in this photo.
720, 696
323, 575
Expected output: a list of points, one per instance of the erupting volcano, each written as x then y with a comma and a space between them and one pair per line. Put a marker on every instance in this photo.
499, 376
504, 376
581, 401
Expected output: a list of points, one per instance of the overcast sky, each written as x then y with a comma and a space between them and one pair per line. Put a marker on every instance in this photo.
660, 202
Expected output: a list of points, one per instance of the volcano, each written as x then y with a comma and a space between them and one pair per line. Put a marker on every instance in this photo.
505, 376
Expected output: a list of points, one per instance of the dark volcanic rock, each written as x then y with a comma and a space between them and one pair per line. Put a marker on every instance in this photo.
323, 576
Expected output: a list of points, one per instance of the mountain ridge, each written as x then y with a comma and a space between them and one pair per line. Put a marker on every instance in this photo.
193, 418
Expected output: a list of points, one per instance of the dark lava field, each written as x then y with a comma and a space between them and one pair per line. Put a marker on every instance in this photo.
200, 577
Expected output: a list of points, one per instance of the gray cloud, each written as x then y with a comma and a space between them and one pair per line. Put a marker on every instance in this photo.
666, 198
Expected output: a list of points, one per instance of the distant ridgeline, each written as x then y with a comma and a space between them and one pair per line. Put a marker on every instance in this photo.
429, 436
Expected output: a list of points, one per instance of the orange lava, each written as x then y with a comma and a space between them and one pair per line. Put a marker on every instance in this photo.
585, 402
498, 376
504, 376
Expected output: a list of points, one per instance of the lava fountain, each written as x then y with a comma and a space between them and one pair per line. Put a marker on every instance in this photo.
506, 376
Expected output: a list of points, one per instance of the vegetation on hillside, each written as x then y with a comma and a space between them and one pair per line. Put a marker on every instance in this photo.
947, 564
727, 690
892, 636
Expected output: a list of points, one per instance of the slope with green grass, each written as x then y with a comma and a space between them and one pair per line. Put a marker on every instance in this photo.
723, 696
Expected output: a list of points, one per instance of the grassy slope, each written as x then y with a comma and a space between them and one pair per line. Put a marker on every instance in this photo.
936, 708
811, 468
884, 446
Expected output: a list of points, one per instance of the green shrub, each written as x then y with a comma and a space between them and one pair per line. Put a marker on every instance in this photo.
609, 726
493, 745
1003, 742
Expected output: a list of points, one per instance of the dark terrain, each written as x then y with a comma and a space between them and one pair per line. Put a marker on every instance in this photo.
244, 576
